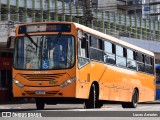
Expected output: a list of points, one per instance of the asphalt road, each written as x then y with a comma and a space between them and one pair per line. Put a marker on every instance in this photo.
71, 111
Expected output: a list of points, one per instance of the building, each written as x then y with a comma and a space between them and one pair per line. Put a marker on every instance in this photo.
147, 9
151, 9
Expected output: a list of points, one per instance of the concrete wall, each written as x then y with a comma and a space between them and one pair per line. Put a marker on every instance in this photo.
107, 5
3, 33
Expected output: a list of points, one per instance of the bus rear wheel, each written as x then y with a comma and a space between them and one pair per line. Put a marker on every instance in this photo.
134, 102
93, 102
40, 103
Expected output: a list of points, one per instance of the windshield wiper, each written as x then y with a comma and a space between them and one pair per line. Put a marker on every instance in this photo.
26, 34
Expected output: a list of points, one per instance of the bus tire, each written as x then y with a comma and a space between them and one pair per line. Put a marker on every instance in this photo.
93, 101
90, 103
40, 103
99, 104
134, 102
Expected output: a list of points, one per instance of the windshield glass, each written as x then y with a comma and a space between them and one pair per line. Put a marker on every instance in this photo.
44, 52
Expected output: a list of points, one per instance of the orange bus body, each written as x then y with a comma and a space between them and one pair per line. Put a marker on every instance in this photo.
114, 83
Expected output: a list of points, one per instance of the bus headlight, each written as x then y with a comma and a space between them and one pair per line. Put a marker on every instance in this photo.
67, 82
18, 83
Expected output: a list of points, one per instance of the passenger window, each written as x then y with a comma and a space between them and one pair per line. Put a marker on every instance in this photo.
140, 61
147, 60
131, 63
130, 54
96, 54
93, 42
108, 47
96, 49
148, 65
120, 56
83, 54
109, 50
140, 57
119, 50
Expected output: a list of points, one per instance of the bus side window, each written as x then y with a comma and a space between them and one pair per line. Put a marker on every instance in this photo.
96, 48
83, 46
131, 63
140, 61
148, 65
109, 50
120, 59
93, 41
83, 53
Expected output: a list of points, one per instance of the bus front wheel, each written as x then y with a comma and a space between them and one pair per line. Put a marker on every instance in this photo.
40, 103
93, 101
134, 102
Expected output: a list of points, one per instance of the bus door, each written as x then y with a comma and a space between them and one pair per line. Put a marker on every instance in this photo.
83, 66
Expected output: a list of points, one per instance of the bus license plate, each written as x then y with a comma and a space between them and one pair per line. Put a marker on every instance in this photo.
40, 92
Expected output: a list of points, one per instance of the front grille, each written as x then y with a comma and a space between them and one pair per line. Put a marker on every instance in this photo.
42, 77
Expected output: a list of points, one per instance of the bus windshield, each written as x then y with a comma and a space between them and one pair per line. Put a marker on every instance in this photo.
44, 52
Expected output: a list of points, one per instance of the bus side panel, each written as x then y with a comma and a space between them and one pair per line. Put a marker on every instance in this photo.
83, 84
86, 76
113, 83
147, 83
118, 84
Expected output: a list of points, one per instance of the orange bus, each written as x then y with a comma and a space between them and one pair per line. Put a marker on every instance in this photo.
61, 62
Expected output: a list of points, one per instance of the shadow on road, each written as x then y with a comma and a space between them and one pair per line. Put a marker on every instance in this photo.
153, 102
17, 101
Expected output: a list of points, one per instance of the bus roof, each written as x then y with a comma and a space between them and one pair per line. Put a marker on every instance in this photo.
112, 39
